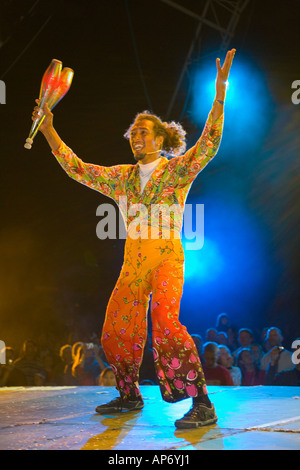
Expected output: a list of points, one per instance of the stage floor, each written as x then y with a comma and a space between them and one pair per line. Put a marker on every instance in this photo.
53, 418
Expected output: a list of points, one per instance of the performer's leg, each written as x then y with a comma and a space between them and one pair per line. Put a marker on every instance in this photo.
176, 358
124, 331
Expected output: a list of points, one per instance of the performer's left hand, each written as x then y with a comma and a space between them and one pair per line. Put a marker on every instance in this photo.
223, 74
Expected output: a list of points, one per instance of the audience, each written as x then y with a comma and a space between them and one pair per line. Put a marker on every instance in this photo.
222, 338
263, 341
223, 322
232, 339
245, 339
228, 358
277, 355
251, 374
107, 378
289, 377
30, 365
257, 352
62, 374
49, 362
198, 342
214, 373
211, 335
10, 376
87, 365
75, 348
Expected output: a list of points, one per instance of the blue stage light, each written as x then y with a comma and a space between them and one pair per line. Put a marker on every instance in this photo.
234, 269
205, 264
246, 106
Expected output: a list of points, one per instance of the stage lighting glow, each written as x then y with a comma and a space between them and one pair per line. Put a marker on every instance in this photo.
206, 264
234, 270
246, 105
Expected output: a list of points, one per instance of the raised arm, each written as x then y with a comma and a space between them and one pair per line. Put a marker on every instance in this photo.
107, 180
198, 156
46, 128
221, 84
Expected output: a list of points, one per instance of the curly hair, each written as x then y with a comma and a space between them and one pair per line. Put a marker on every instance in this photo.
173, 133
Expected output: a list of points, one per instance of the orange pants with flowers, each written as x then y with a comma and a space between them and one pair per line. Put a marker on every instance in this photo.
151, 267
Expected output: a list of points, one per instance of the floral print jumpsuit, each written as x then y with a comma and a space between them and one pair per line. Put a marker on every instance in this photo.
151, 266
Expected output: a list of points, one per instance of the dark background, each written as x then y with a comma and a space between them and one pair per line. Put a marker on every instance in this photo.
56, 276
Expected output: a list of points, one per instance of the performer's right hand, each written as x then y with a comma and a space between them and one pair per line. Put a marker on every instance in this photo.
48, 121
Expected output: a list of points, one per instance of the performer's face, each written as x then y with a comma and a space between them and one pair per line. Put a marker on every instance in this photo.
145, 145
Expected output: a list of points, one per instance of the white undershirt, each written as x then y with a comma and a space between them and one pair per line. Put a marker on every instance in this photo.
146, 171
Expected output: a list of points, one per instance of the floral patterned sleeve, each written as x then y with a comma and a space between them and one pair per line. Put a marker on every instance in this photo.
196, 158
107, 180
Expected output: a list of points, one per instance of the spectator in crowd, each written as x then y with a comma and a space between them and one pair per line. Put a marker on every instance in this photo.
46, 345
222, 323
9, 375
101, 354
226, 360
245, 339
63, 371
278, 355
263, 340
211, 335
232, 339
75, 348
49, 362
290, 377
29, 364
251, 375
107, 378
258, 353
88, 365
214, 373
222, 338
8, 354
198, 343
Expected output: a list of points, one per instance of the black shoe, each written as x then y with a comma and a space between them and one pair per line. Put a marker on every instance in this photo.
118, 405
199, 415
